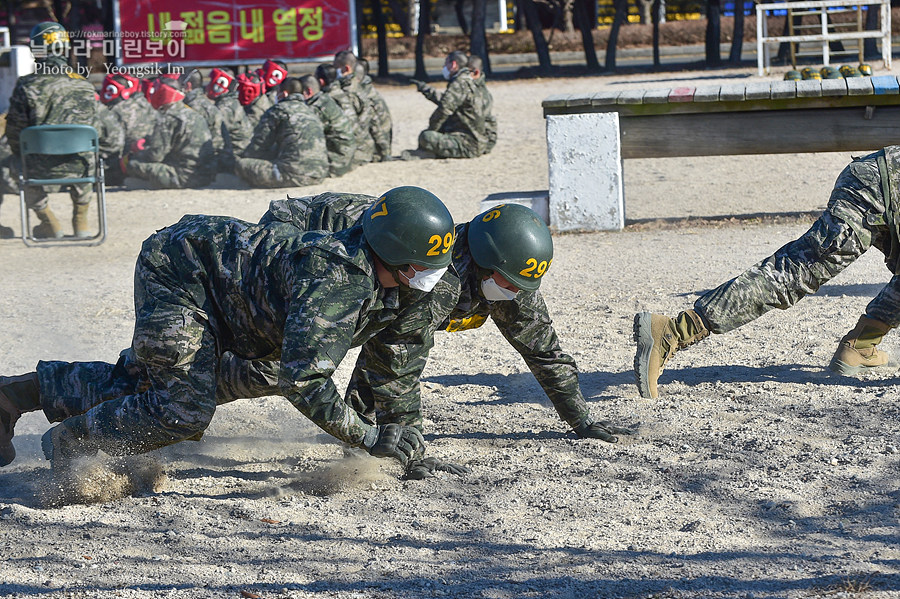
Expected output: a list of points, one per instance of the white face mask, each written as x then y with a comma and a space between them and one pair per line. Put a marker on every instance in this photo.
495, 293
446, 72
425, 280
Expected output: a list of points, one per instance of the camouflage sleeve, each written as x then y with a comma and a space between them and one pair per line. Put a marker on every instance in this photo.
240, 129
17, 117
159, 143
525, 323
450, 103
431, 94
112, 135
263, 137
318, 333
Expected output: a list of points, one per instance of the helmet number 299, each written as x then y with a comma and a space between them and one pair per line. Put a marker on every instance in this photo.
446, 242
535, 269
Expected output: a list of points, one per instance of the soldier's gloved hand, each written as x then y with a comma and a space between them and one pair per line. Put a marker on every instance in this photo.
404, 443
419, 469
420, 85
601, 430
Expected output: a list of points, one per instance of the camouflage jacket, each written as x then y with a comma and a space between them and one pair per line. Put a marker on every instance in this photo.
357, 108
304, 299
236, 129
490, 121
138, 117
460, 109
112, 133
339, 136
49, 99
181, 139
524, 322
197, 99
381, 127
257, 108
291, 135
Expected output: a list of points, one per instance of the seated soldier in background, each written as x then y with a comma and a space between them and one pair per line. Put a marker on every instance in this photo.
476, 67
288, 146
355, 105
122, 94
252, 98
272, 73
381, 126
222, 89
456, 128
339, 138
179, 152
195, 97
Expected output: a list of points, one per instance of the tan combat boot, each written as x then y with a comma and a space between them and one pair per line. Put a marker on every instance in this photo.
80, 220
857, 352
658, 337
18, 394
49, 227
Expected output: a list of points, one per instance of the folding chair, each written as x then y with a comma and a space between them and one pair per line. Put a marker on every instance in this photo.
58, 140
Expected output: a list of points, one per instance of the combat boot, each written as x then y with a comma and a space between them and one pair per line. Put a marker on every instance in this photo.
658, 337
18, 394
80, 220
49, 227
857, 352
65, 443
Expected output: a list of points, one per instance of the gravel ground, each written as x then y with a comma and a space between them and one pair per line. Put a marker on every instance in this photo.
753, 475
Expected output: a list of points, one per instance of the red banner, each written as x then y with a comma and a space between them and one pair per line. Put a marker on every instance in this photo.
222, 32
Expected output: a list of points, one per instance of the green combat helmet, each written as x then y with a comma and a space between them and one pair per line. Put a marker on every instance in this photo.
849, 71
865, 70
793, 75
810, 73
409, 225
49, 37
514, 241
830, 73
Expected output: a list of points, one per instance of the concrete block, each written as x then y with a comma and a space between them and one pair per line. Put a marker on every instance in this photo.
586, 183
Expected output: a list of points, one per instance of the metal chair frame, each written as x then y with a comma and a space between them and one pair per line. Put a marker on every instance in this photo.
58, 140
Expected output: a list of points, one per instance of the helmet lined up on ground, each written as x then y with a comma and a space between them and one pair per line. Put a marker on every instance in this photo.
513, 241
409, 225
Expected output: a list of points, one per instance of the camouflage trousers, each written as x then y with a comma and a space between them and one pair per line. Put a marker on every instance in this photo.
448, 145
165, 176
796, 270
266, 173
163, 390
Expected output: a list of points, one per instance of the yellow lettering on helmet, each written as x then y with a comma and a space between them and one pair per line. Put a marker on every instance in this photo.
491, 215
382, 212
533, 265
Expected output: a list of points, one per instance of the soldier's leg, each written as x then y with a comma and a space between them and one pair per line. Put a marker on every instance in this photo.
81, 203
857, 349
49, 227
238, 378
159, 175
447, 145
259, 173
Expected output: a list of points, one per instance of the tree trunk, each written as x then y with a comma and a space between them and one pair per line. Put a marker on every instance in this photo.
737, 41
400, 18
424, 29
584, 24
381, 30
478, 41
534, 24
645, 8
567, 8
873, 23
359, 30
655, 15
713, 33
621, 8
461, 16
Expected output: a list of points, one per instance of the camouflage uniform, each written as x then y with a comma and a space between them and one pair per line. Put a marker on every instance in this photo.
136, 115
288, 147
178, 153
863, 211
456, 128
236, 129
197, 99
357, 108
257, 108
53, 99
112, 145
381, 127
490, 121
339, 137
209, 285
524, 322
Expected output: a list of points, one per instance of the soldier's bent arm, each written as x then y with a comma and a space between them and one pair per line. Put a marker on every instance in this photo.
261, 143
450, 103
525, 323
432, 94
159, 143
318, 333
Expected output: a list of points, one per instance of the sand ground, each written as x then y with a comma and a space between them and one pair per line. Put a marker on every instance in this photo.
753, 475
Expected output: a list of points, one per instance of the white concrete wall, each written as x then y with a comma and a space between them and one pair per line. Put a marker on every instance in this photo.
586, 184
